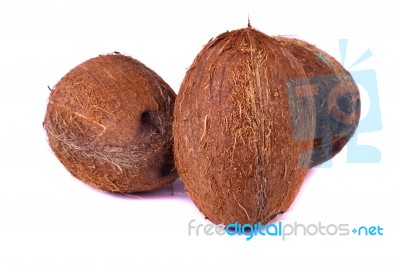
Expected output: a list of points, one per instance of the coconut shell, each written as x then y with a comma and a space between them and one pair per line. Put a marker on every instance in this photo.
109, 121
336, 96
234, 146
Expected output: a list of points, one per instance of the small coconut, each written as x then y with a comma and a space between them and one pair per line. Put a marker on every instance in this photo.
234, 146
336, 96
109, 121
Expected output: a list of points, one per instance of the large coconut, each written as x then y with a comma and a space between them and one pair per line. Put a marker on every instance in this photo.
109, 121
235, 118
336, 96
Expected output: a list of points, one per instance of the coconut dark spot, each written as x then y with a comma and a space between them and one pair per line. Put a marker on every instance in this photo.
148, 121
347, 104
145, 118
338, 143
166, 169
358, 104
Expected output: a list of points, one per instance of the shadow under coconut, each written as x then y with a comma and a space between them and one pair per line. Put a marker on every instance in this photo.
176, 189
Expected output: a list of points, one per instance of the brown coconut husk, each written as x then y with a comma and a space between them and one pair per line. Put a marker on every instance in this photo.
336, 96
233, 141
109, 122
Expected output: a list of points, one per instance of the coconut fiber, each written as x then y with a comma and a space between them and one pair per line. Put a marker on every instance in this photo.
109, 121
234, 147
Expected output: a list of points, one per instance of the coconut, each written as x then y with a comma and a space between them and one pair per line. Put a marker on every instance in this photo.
336, 96
234, 119
109, 122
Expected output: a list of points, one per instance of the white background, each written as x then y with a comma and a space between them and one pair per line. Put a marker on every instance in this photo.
47, 217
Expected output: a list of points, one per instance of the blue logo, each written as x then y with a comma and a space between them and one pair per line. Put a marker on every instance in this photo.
372, 122
337, 103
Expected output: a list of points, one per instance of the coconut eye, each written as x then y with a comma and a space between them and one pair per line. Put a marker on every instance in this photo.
346, 103
148, 122
145, 118
166, 169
